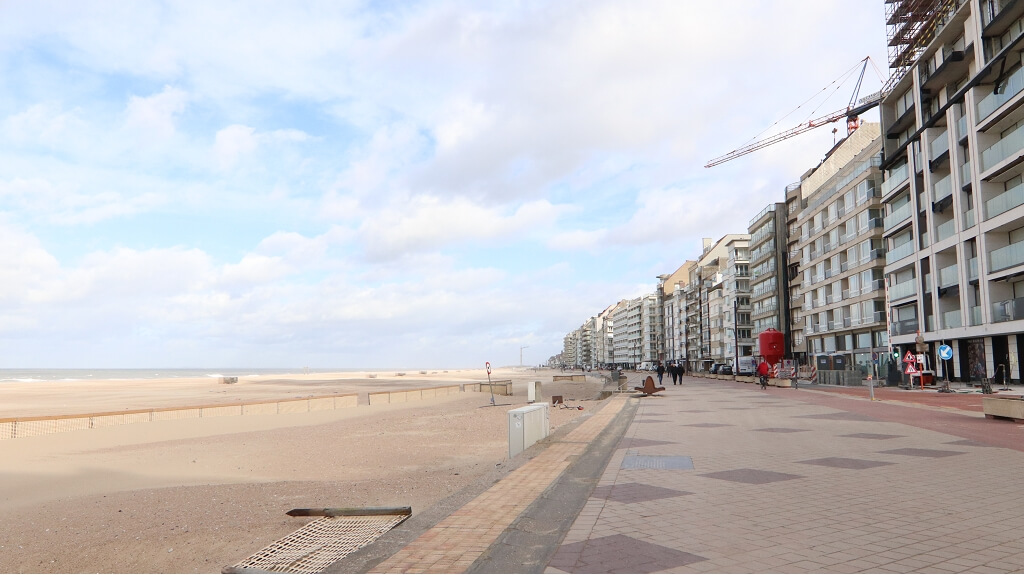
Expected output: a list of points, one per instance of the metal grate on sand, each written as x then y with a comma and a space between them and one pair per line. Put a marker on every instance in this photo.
322, 541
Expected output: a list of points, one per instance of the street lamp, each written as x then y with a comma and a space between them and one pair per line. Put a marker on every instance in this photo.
521, 348
735, 333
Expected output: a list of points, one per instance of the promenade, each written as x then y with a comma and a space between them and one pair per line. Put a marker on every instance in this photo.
714, 476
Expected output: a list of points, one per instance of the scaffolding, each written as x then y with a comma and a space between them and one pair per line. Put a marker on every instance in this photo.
910, 26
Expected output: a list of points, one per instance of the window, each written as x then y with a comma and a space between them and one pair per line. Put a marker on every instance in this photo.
864, 340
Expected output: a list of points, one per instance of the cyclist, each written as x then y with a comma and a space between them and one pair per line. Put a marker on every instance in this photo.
762, 371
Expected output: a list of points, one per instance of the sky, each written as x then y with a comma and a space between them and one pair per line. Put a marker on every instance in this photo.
385, 184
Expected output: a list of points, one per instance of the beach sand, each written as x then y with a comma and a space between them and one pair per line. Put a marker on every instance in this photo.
196, 495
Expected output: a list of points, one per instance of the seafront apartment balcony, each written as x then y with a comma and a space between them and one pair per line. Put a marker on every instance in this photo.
898, 253
949, 276
992, 102
897, 178
952, 318
1005, 201
898, 216
904, 327
903, 290
1003, 149
1008, 310
945, 230
943, 188
1006, 257
972, 269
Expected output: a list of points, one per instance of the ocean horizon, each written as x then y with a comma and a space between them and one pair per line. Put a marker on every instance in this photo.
84, 374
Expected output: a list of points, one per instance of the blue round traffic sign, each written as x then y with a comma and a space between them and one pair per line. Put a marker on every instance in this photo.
945, 352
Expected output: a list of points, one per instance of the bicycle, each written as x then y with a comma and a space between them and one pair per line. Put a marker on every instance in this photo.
764, 382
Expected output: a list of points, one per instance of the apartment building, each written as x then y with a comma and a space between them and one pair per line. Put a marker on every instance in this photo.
652, 330
672, 288
769, 288
841, 292
795, 325
603, 332
953, 194
706, 301
626, 336
737, 339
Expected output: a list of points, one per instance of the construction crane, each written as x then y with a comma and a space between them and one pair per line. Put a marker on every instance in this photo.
851, 112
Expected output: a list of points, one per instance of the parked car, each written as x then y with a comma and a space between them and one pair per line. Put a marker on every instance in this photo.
714, 367
725, 370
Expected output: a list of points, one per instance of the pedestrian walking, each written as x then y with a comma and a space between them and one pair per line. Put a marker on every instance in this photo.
661, 372
674, 370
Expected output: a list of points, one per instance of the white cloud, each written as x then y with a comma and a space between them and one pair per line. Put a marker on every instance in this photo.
153, 118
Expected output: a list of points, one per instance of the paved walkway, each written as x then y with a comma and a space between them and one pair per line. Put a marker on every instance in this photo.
714, 476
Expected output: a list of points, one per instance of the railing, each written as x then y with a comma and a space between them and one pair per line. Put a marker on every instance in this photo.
969, 219
972, 268
961, 127
898, 216
898, 253
945, 230
1008, 310
1014, 84
975, 312
1003, 149
943, 188
902, 290
952, 318
1006, 257
1005, 201
904, 327
965, 173
939, 146
896, 178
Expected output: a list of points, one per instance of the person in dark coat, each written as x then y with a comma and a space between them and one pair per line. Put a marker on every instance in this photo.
661, 372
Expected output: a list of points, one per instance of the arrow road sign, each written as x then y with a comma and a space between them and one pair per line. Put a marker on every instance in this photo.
945, 352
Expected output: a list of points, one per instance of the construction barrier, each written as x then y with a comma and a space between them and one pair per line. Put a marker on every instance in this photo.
407, 395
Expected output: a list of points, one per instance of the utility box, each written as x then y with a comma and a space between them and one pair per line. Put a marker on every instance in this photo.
526, 426
532, 391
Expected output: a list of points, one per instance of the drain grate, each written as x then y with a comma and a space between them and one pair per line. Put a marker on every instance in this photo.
657, 462
322, 541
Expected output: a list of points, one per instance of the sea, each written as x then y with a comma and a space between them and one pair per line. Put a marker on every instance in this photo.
29, 375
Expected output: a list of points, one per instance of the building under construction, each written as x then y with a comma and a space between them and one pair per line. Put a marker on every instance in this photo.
953, 195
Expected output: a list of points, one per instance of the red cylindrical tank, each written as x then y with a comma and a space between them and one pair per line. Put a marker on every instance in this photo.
772, 344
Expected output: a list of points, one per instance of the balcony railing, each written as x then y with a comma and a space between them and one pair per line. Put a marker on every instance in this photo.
898, 253
945, 230
965, 173
1005, 201
1007, 257
969, 220
975, 315
1014, 84
952, 318
972, 269
961, 127
902, 290
1008, 146
904, 327
898, 215
1008, 310
939, 146
896, 178
944, 188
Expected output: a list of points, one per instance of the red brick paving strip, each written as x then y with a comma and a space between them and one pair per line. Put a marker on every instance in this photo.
456, 542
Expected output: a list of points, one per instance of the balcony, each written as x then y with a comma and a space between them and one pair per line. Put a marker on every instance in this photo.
896, 178
1003, 149
945, 230
905, 327
969, 220
1008, 310
1005, 201
943, 188
992, 102
965, 174
902, 290
1007, 257
951, 319
939, 146
975, 315
972, 269
900, 252
898, 216
961, 128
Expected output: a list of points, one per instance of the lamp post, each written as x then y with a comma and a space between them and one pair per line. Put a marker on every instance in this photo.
736, 333
521, 348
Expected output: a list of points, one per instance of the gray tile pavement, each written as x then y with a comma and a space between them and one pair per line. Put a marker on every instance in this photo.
795, 486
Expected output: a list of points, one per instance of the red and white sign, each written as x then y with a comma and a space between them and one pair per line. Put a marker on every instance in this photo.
911, 370
909, 358
488, 364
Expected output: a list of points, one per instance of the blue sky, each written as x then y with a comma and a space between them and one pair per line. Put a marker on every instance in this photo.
406, 184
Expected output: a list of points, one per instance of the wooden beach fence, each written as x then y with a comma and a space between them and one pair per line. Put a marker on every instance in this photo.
15, 427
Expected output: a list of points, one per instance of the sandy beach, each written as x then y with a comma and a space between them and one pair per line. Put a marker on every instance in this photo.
196, 495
